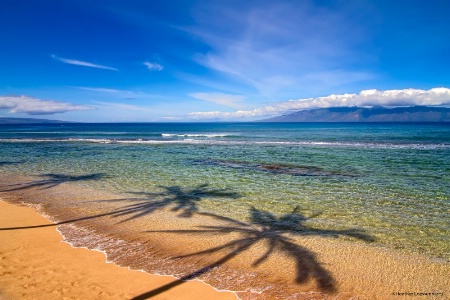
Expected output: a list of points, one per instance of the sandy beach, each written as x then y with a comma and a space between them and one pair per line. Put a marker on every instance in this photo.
36, 264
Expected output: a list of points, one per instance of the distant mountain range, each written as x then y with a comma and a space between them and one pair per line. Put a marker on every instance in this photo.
332, 114
27, 121
374, 114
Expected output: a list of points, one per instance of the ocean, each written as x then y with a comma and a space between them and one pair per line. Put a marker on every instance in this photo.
383, 184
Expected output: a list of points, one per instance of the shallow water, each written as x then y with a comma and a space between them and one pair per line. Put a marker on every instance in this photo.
388, 181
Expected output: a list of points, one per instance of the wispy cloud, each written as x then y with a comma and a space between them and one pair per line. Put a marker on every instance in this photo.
33, 106
153, 66
389, 98
108, 93
275, 46
219, 98
107, 90
124, 106
82, 63
101, 90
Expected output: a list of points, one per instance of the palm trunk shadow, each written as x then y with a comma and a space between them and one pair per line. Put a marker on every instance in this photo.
194, 274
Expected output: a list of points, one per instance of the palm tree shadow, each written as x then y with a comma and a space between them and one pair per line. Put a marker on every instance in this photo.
182, 200
274, 232
51, 180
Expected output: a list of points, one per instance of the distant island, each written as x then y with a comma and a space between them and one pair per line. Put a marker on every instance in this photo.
361, 114
28, 121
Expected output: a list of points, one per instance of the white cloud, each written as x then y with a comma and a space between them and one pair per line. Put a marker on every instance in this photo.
219, 98
33, 106
82, 63
389, 98
153, 66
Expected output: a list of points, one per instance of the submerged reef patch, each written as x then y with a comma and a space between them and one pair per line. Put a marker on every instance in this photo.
274, 168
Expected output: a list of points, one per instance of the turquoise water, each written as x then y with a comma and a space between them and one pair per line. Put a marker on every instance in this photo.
391, 181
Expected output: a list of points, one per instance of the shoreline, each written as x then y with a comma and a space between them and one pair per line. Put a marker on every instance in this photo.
356, 270
36, 263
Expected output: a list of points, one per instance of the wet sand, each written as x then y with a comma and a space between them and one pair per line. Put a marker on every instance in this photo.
35, 264
258, 261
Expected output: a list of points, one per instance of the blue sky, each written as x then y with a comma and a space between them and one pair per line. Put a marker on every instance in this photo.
209, 60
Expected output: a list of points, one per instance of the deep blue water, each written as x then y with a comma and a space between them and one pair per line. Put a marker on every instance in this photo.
372, 133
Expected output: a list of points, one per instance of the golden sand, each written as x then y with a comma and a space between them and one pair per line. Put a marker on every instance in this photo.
35, 264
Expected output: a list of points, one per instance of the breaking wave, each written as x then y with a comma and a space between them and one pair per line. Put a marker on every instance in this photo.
372, 145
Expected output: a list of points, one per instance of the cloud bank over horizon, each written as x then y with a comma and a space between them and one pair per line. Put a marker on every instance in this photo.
389, 98
33, 106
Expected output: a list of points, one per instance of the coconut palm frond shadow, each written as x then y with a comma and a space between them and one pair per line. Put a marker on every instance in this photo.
182, 200
273, 231
294, 223
51, 180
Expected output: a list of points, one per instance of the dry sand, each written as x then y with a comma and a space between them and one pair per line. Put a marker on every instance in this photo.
35, 264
